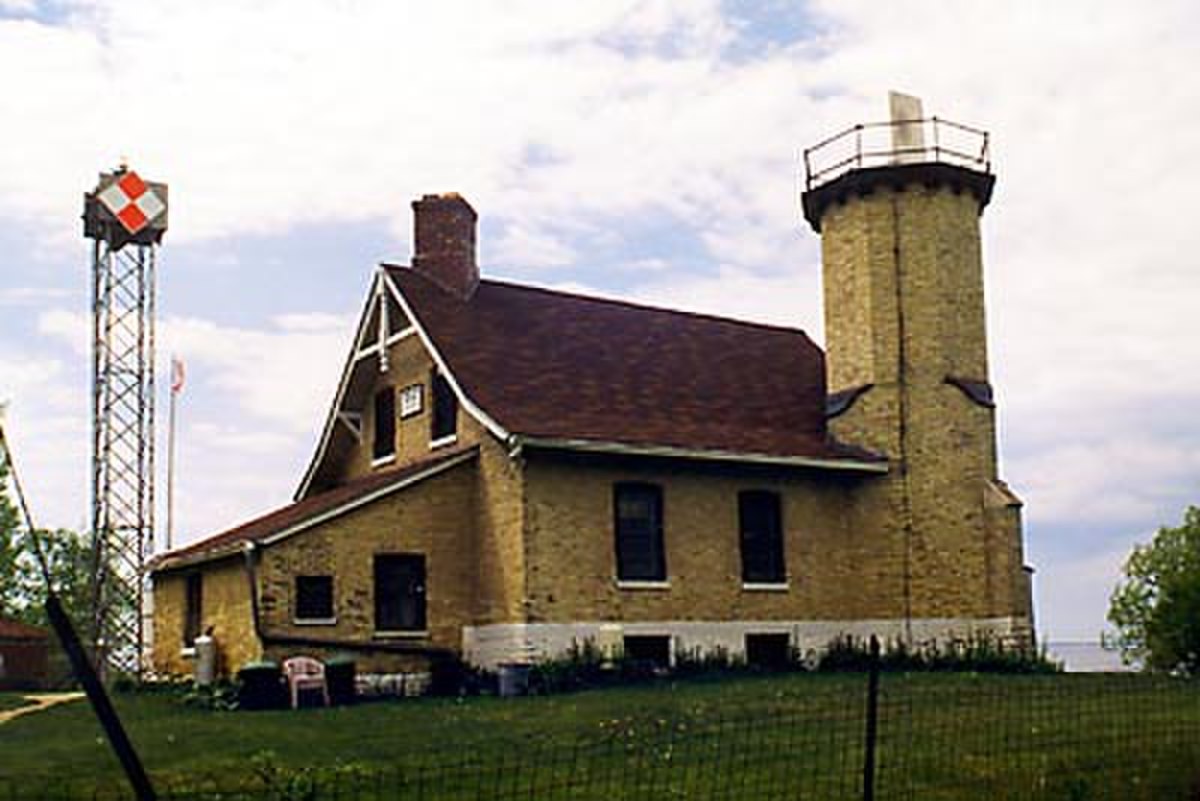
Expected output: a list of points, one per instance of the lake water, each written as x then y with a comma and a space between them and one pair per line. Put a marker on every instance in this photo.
1086, 657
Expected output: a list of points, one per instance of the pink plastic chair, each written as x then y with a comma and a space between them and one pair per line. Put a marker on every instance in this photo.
305, 673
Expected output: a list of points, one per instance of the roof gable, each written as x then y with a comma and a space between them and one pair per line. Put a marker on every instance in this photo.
554, 365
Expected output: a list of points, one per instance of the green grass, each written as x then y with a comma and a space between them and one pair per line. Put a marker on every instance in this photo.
943, 737
13, 701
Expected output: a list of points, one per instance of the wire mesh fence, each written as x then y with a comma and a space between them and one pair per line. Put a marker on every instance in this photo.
939, 737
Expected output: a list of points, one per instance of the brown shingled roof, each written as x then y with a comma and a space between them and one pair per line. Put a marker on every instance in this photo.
260, 528
555, 365
16, 630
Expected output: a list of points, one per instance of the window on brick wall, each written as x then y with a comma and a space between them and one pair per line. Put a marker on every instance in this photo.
769, 651
444, 421
193, 608
399, 592
638, 519
314, 598
650, 650
383, 446
761, 526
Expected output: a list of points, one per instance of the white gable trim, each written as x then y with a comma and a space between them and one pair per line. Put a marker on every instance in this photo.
627, 449
340, 395
370, 497
479, 414
166, 562
384, 284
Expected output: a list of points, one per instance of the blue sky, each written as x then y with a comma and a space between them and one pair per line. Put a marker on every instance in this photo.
646, 150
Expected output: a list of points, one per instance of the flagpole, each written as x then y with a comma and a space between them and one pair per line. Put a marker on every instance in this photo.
171, 459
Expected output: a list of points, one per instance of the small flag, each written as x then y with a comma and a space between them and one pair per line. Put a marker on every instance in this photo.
177, 375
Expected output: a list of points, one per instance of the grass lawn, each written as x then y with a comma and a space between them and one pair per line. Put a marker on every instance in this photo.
941, 737
13, 700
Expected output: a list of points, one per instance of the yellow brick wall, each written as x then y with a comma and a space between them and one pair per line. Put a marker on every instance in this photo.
904, 309
225, 606
434, 518
408, 364
835, 570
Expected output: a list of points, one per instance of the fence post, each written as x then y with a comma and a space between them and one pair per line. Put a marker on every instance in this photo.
872, 723
101, 705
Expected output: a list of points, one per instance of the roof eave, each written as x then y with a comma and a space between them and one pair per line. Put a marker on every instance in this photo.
714, 455
190, 560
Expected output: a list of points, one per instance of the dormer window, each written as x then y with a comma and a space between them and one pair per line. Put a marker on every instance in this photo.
444, 425
383, 445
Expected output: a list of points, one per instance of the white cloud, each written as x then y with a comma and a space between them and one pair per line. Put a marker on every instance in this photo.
567, 123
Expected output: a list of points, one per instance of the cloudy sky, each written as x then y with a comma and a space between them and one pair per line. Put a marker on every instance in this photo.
645, 150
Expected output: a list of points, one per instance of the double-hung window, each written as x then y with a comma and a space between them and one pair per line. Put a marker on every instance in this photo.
444, 423
761, 525
399, 592
638, 513
384, 444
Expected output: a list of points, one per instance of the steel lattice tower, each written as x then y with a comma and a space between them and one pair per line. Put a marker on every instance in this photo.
126, 219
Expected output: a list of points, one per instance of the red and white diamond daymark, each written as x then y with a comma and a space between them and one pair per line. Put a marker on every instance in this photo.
132, 202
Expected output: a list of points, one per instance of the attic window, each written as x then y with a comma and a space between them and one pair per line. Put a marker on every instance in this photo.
410, 400
444, 426
383, 447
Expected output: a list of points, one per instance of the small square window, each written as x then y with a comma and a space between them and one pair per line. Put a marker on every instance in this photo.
410, 400
314, 598
651, 650
769, 651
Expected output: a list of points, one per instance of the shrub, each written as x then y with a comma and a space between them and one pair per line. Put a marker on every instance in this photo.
978, 654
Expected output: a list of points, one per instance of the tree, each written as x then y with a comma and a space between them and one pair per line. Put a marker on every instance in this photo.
1156, 607
10, 544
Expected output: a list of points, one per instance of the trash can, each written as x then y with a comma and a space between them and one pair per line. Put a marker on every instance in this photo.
205, 672
260, 686
339, 678
514, 679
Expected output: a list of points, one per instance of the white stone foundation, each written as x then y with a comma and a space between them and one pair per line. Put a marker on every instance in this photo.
490, 646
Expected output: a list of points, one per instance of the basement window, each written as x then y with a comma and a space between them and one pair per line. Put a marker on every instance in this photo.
444, 424
650, 650
383, 446
761, 525
193, 611
314, 599
399, 593
768, 651
638, 513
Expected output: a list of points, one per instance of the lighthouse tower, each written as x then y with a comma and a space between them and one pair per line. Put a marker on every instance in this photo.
898, 205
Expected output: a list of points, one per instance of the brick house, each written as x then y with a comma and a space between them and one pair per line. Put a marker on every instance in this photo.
507, 469
24, 655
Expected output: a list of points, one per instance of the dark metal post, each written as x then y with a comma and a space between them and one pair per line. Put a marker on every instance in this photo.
872, 723
101, 704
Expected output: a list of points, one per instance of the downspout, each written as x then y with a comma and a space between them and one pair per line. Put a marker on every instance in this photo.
249, 564
903, 403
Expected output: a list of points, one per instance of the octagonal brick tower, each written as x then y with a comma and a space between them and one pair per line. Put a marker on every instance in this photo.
897, 205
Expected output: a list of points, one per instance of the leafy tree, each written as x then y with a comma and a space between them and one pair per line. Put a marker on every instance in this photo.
1156, 607
69, 559
10, 542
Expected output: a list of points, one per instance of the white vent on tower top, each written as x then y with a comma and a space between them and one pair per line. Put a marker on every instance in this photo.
908, 128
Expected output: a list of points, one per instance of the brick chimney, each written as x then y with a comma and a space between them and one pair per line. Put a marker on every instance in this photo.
444, 242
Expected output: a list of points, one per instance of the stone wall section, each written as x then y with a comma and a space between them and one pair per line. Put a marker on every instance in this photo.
433, 518
225, 606
833, 569
904, 310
